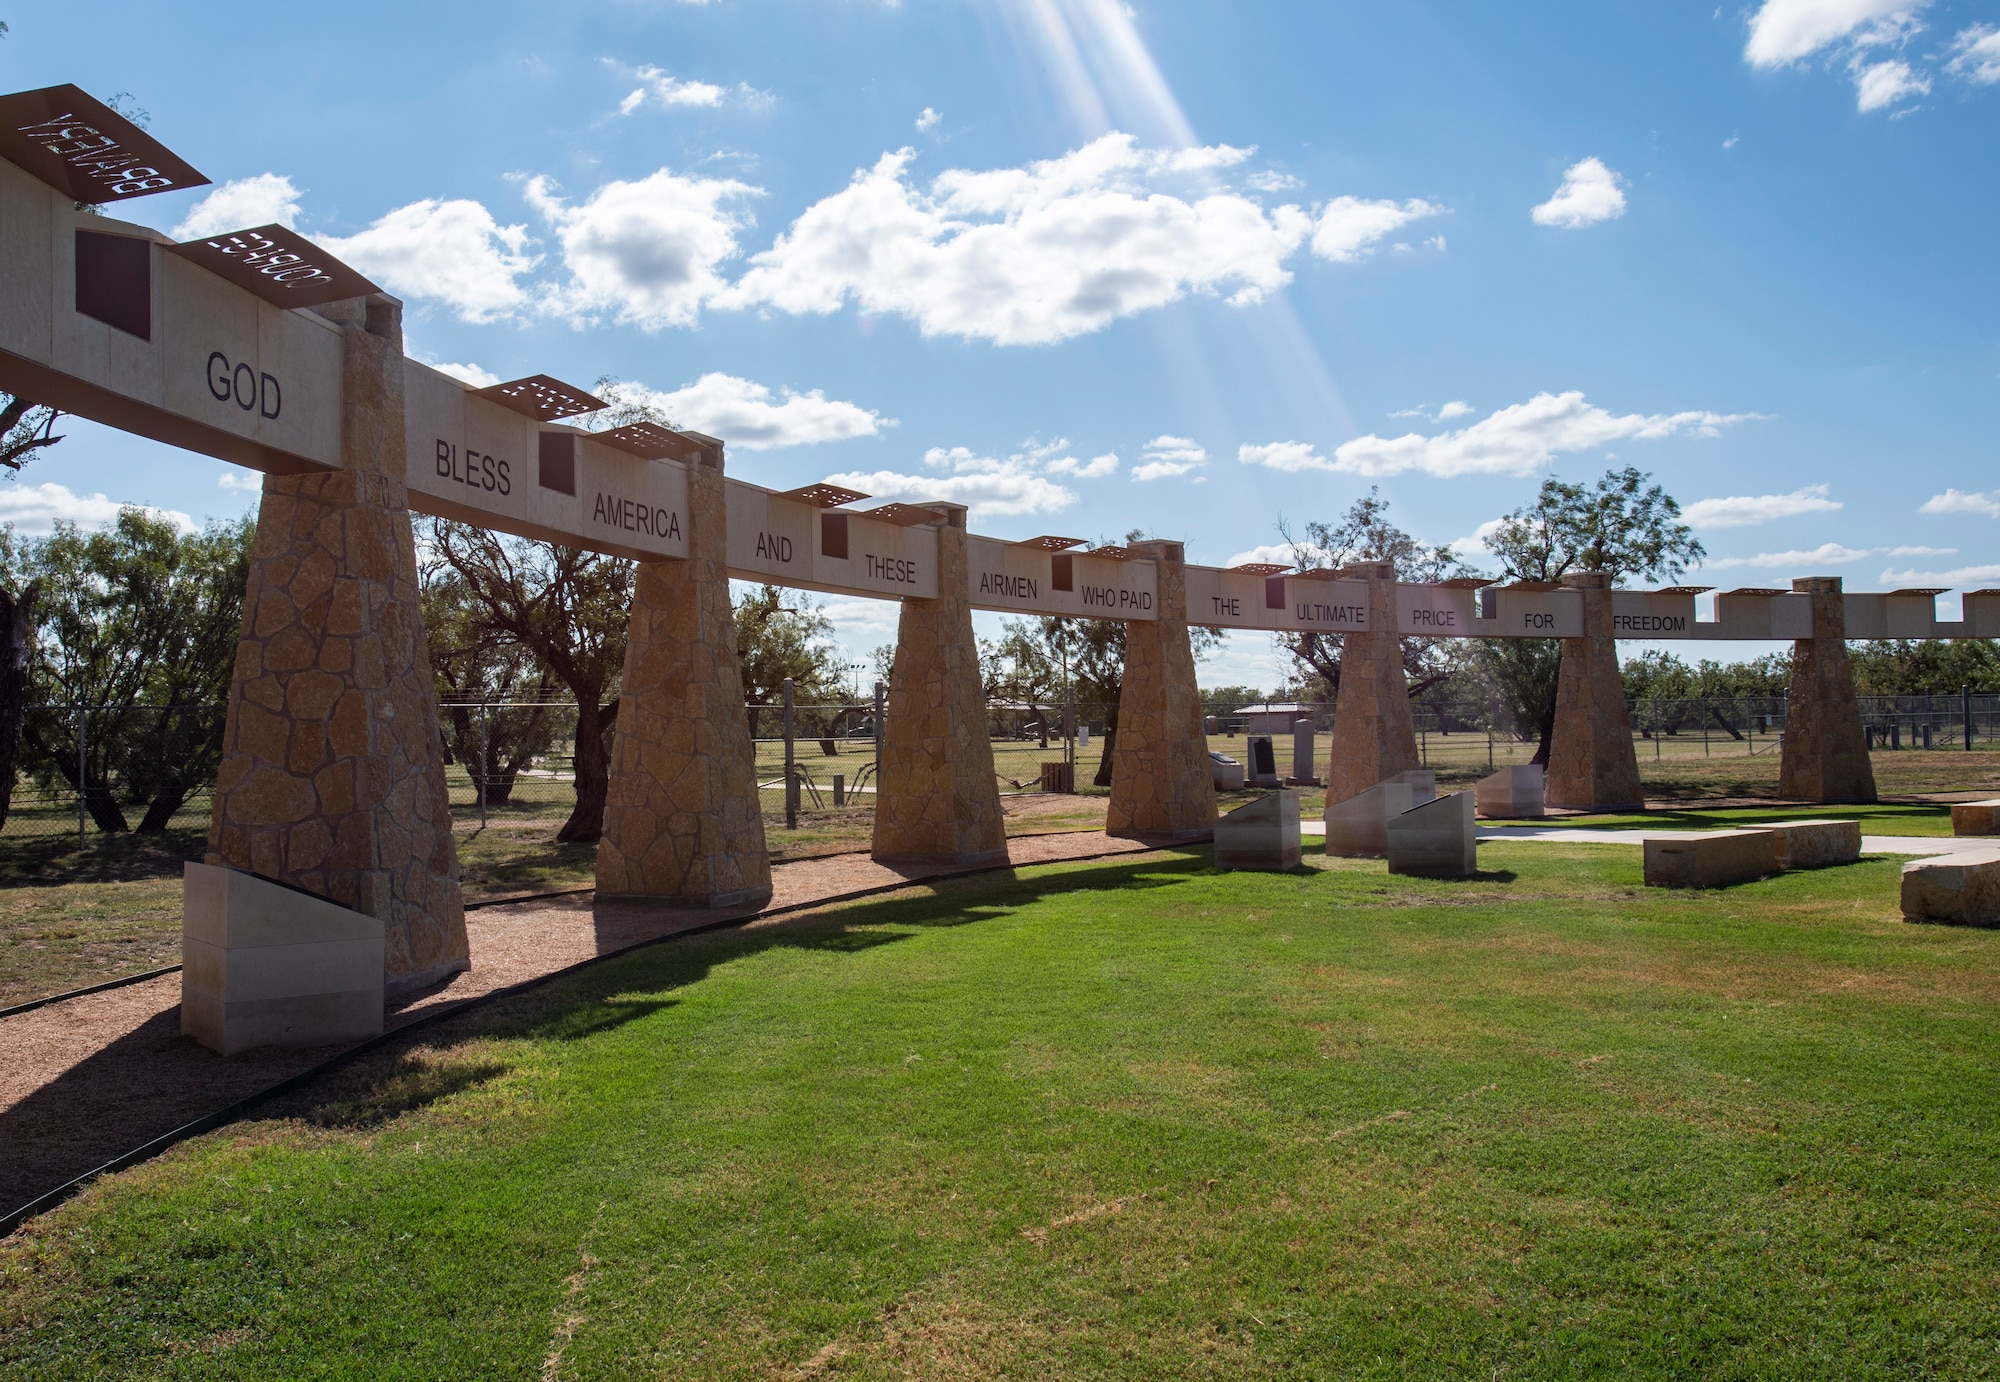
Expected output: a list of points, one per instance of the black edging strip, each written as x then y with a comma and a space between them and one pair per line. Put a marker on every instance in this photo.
209, 1122
93, 988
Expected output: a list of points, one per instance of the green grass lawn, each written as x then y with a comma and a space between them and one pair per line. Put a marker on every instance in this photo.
1886, 818
1119, 1120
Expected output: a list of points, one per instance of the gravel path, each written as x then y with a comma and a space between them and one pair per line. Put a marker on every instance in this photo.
87, 1079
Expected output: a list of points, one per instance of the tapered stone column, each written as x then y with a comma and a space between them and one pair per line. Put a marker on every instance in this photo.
1592, 763
1374, 735
1826, 748
936, 798
332, 776
1161, 787
682, 820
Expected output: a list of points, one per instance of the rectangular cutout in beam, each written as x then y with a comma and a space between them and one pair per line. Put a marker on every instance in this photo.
833, 535
558, 462
114, 281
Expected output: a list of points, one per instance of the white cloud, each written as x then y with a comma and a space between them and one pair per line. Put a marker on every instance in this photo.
1732, 141
240, 203
1349, 227
1455, 408
1476, 544
1746, 510
1827, 554
1923, 551
1783, 31
450, 251
1283, 455
1096, 468
1590, 193
1166, 457
1976, 55
1958, 501
249, 481
1032, 255
34, 510
1962, 576
1516, 440
1271, 180
475, 375
927, 119
1882, 84
989, 486
1267, 554
657, 86
749, 418
643, 253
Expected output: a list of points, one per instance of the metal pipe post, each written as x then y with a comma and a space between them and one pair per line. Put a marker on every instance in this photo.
791, 773
82, 723
484, 759
878, 740
1965, 705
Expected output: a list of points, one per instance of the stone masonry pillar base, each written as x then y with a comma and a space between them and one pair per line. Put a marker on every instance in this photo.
683, 825
1161, 788
936, 798
1374, 736
1826, 747
1593, 765
332, 776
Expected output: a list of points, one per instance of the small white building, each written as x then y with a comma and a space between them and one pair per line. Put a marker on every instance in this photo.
1271, 717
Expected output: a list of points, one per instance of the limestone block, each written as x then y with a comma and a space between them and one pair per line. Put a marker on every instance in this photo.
1711, 858
1975, 818
683, 825
1816, 844
1374, 736
1825, 751
1225, 772
268, 965
1592, 763
937, 800
1358, 828
1435, 839
1513, 793
1162, 789
1261, 835
1960, 890
1423, 784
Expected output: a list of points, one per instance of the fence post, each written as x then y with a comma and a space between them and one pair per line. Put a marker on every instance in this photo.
82, 721
791, 775
878, 737
1704, 726
485, 761
1965, 707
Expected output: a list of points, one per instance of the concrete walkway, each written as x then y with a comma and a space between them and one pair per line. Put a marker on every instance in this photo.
1599, 835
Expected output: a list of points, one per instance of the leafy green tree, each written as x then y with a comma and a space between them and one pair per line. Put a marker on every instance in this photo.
1623, 526
1018, 667
140, 623
478, 668
1929, 666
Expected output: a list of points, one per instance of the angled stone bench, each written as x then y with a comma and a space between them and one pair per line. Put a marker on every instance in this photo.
1711, 858
1815, 844
1358, 828
1437, 839
1958, 890
1262, 835
1512, 793
1975, 817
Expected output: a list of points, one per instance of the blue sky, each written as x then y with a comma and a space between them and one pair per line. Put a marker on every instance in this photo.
1263, 256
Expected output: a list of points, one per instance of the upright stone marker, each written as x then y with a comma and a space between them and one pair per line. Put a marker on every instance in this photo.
682, 821
1374, 734
1826, 748
936, 799
332, 778
1592, 763
1161, 786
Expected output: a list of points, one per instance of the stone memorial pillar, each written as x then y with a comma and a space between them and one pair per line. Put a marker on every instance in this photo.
1161, 787
1826, 748
1592, 763
332, 775
1374, 736
682, 821
936, 798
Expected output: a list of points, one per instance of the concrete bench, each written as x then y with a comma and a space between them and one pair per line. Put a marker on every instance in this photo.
1815, 844
1262, 835
1975, 817
1711, 858
1423, 784
1358, 828
1512, 793
1959, 890
268, 965
1436, 839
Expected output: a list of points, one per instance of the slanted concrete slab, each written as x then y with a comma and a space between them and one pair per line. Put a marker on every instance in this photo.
1513, 793
1816, 844
1225, 772
1959, 891
1423, 784
1358, 828
1975, 818
268, 965
1262, 835
1711, 858
1436, 839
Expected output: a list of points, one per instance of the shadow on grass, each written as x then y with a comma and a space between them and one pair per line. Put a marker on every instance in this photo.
415, 1080
49, 860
